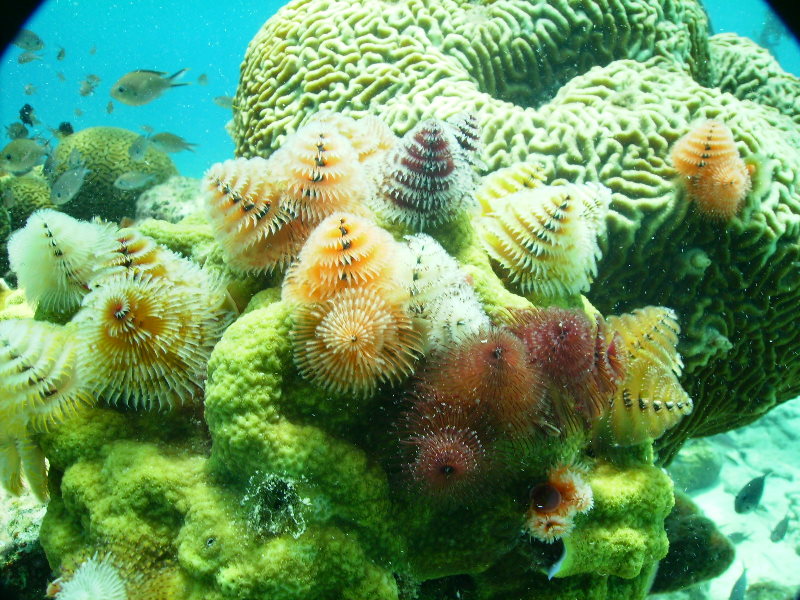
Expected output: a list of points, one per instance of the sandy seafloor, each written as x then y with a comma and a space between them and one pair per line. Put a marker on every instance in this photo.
771, 443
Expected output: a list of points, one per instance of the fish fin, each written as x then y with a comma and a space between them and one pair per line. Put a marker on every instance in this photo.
179, 84
162, 73
178, 74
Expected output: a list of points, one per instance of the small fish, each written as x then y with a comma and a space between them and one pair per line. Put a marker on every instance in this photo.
740, 587
138, 148
27, 57
780, 529
737, 537
224, 102
49, 166
147, 129
75, 159
27, 40
93, 78
78, 112
68, 184
28, 116
202, 80
61, 76
61, 53
21, 155
64, 129
133, 180
30, 89
169, 142
93, 50
750, 495
87, 88
110, 107
16, 130
140, 87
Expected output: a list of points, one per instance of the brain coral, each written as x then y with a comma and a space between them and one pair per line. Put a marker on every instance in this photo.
613, 124
456, 54
105, 151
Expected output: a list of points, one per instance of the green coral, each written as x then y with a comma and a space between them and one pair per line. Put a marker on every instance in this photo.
105, 151
749, 72
698, 551
23, 196
416, 59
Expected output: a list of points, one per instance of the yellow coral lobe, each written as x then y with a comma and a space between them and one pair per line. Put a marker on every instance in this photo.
39, 380
507, 181
546, 239
145, 341
650, 399
716, 177
55, 257
242, 203
319, 172
354, 341
343, 251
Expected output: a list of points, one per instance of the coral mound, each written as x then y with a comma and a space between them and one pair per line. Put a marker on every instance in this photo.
106, 153
546, 238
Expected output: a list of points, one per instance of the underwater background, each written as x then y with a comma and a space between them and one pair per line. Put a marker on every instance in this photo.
110, 39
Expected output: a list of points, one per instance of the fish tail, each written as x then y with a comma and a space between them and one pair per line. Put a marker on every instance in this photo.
174, 76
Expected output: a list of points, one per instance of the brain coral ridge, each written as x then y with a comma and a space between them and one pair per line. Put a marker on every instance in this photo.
457, 55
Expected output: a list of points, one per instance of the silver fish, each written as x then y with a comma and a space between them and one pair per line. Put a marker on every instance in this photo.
780, 530
202, 80
138, 148
16, 130
91, 78
140, 87
147, 129
169, 142
224, 102
27, 57
110, 107
67, 185
21, 155
739, 588
133, 180
30, 89
87, 88
750, 495
75, 160
27, 40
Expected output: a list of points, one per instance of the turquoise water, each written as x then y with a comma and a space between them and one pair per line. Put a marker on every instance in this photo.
204, 38
129, 35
